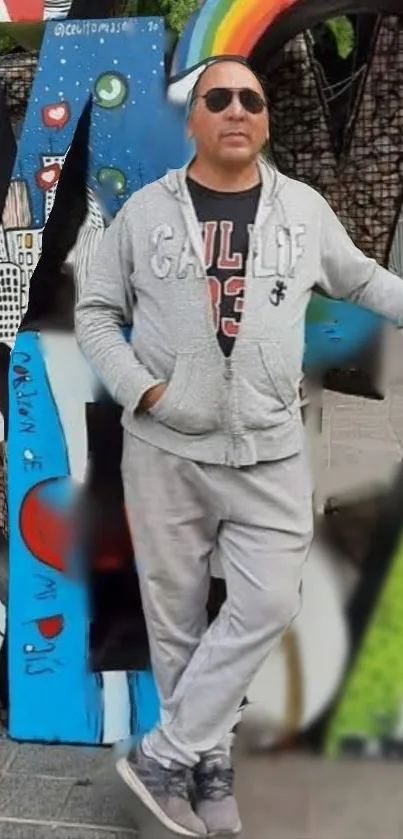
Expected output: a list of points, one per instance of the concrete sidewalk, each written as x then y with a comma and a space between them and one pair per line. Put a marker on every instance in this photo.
53, 792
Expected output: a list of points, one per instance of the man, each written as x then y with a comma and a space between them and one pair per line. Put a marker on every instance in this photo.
214, 266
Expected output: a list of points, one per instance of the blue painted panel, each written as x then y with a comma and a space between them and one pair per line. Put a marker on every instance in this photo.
53, 697
145, 703
121, 63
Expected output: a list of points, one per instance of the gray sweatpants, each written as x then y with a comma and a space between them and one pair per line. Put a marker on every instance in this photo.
257, 522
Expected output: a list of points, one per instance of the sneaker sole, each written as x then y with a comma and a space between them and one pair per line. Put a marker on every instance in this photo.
234, 832
131, 780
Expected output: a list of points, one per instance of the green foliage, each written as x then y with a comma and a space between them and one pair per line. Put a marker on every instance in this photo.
175, 12
28, 36
140, 8
343, 32
7, 43
178, 12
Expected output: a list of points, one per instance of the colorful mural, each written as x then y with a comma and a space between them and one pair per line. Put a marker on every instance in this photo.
49, 625
128, 88
120, 64
368, 720
226, 28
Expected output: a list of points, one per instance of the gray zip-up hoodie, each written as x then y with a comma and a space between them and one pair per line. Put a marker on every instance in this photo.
149, 272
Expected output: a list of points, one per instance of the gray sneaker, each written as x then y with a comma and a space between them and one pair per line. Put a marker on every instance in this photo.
215, 801
164, 792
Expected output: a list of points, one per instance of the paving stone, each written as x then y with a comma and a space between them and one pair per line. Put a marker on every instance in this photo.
353, 800
21, 830
60, 761
7, 751
91, 833
98, 804
285, 797
270, 807
27, 797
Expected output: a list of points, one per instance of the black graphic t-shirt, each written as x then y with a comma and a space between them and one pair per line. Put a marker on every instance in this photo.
226, 220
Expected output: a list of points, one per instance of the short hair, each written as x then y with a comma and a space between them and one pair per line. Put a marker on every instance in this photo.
221, 59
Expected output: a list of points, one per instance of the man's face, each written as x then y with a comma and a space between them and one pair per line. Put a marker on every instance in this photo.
233, 136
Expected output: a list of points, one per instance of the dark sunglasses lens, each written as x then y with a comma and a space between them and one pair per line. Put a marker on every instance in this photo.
218, 99
251, 101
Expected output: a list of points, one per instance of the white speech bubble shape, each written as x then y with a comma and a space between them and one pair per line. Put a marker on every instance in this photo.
181, 86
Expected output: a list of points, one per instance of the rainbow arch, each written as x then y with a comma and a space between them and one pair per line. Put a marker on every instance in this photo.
235, 27
227, 27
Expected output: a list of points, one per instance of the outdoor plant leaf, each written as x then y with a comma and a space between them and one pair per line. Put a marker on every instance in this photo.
178, 12
343, 32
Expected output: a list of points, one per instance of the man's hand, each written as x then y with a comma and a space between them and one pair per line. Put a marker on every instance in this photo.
150, 397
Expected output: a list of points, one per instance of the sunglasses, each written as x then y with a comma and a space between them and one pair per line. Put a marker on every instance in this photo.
219, 98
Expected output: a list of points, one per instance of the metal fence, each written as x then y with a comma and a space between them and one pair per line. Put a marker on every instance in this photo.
17, 71
363, 179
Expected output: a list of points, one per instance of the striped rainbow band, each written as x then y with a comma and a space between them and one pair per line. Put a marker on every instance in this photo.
222, 27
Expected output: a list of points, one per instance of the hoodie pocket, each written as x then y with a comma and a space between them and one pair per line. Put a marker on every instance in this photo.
266, 393
278, 374
191, 402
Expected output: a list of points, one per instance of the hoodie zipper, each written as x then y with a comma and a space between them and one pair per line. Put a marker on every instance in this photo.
191, 224
197, 242
231, 456
228, 376
228, 370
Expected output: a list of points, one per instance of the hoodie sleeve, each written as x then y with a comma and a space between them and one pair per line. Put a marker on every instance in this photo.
346, 273
104, 308
396, 254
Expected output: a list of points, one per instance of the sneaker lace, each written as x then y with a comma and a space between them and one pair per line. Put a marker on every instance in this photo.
176, 783
215, 784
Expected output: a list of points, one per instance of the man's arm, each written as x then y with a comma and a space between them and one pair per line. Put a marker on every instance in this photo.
105, 306
396, 254
346, 273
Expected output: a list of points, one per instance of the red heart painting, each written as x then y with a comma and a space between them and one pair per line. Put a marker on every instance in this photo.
48, 176
50, 627
56, 116
46, 531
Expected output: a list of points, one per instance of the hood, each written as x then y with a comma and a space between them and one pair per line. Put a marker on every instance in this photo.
272, 181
